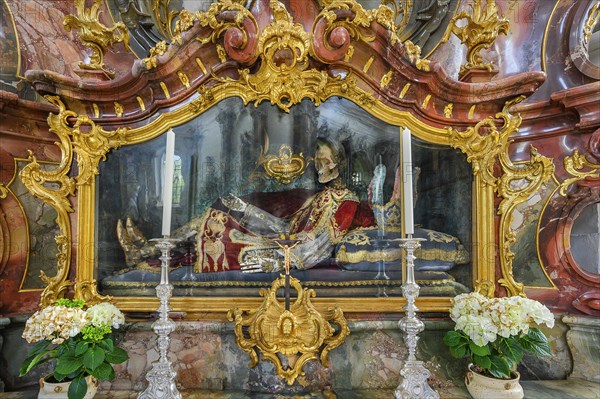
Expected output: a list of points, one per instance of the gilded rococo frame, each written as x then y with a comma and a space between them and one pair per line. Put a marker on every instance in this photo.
479, 127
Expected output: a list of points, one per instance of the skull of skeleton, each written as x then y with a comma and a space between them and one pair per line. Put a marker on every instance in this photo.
327, 168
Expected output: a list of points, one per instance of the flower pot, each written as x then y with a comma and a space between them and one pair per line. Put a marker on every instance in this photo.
56, 390
482, 387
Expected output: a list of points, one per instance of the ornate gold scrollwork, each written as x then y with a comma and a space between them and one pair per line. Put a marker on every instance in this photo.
91, 143
56, 195
286, 167
3, 191
164, 17
283, 76
414, 55
574, 165
95, 35
299, 334
155, 52
485, 144
591, 21
341, 21
481, 29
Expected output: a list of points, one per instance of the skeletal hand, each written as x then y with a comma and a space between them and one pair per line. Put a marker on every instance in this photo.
260, 265
234, 203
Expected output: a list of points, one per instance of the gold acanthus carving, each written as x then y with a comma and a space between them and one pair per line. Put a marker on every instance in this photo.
54, 188
87, 290
486, 145
95, 35
414, 55
287, 82
164, 17
580, 167
159, 49
91, 143
300, 334
286, 167
591, 21
342, 22
3, 191
482, 27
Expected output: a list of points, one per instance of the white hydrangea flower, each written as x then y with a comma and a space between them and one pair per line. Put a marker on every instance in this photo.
56, 323
483, 319
538, 313
106, 313
481, 330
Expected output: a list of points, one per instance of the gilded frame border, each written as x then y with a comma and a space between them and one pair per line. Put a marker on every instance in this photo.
485, 144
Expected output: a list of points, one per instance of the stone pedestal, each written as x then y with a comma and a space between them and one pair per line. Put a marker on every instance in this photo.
583, 338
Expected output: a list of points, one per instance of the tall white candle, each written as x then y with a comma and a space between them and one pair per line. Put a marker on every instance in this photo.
407, 168
168, 183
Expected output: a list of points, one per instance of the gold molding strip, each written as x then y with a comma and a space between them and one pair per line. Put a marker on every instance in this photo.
201, 65
118, 109
368, 64
426, 101
140, 101
471, 111
165, 90
404, 90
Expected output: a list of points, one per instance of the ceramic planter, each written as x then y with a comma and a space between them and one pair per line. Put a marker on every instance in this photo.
482, 387
58, 390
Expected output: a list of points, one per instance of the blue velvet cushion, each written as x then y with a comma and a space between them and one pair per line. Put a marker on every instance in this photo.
364, 249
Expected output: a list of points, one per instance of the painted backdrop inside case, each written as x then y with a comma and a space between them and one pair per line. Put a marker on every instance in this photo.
329, 177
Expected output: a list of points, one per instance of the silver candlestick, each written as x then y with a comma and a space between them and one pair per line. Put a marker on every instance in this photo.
161, 378
414, 374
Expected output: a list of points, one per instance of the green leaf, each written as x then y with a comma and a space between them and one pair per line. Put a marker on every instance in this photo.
102, 372
499, 367
117, 356
536, 342
479, 350
459, 351
39, 347
58, 376
107, 344
93, 357
482, 361
68, 363
81, 348
452, 338
112, 375
78, 388
511, 349
36, 358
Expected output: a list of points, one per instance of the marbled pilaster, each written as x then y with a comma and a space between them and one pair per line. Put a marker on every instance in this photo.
584, 342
